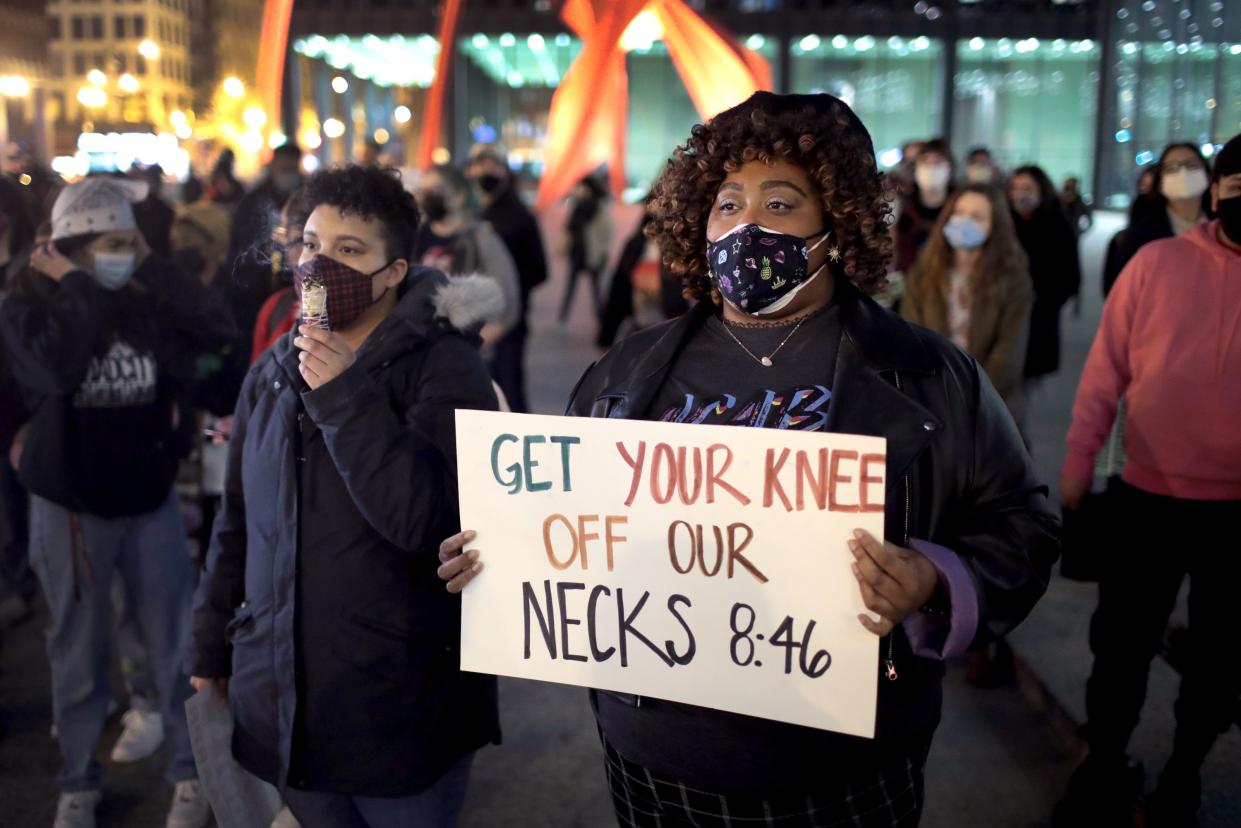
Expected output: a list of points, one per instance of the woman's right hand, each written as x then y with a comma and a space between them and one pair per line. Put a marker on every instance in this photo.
48, 260
220, 684
457, 566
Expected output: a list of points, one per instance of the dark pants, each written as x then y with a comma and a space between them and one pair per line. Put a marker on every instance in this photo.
577, 268
16, 576
437, 807
508, 368
1160, 540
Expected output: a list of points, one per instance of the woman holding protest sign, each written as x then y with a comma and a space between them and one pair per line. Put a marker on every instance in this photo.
783, 196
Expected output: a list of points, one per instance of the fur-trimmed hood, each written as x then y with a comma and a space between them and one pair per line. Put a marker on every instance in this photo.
462, 302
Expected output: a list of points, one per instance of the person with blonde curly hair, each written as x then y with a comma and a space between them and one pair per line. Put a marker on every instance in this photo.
775, 217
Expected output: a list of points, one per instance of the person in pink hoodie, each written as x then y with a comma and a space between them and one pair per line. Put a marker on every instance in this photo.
1170, 343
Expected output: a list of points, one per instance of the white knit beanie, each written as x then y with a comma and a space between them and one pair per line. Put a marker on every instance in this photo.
96, 205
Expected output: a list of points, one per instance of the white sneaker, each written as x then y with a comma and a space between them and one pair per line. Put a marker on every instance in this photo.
189, 806
77, 810
285, 819
142, 736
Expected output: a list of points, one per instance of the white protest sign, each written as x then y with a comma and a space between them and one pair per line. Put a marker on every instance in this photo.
694, 563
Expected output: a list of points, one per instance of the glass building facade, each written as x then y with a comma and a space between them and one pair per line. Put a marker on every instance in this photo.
1086, 89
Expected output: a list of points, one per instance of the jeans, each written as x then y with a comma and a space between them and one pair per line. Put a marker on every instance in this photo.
75, 558
132, 649
439, 806
1160, 541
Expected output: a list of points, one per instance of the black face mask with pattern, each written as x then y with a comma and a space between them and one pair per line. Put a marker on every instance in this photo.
759, 271
1229, 212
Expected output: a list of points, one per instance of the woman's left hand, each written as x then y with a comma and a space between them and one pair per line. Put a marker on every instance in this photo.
896, 582
325, 355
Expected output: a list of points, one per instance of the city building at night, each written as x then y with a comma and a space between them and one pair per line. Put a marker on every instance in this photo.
1092, 89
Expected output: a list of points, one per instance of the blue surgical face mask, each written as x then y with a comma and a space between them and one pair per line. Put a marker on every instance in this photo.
113, 270
963, 233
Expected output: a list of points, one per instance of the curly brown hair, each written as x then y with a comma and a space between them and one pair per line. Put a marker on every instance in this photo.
821, 134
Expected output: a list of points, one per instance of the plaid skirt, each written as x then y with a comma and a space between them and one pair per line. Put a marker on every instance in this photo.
891, 798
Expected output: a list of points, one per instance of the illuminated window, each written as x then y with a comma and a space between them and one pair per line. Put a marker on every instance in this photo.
1028, 101
894, 84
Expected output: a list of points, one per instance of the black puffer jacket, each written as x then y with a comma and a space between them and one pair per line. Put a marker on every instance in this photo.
320, 598
958, 475
110, 457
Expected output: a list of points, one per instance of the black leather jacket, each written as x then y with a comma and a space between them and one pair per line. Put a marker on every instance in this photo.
959, 475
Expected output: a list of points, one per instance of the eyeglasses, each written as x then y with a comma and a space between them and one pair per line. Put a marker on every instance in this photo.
1169, 169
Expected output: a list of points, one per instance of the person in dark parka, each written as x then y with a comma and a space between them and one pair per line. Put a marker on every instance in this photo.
319, 613
518, 228
1055, 267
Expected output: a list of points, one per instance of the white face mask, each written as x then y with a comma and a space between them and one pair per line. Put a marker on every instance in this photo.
113, 270
933, 178
1185, 184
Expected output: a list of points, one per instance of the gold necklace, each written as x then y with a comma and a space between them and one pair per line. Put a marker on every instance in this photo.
766, 361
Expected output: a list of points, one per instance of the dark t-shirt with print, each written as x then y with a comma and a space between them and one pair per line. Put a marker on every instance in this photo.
715, 381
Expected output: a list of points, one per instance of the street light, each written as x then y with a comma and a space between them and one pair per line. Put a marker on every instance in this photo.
402, 114
233, 87
149, 49
254, 117
128, 83
14, 86
97, 77
92, 97
333, 128
339, 85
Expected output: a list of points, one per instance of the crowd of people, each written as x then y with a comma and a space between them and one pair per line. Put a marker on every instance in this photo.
228, 439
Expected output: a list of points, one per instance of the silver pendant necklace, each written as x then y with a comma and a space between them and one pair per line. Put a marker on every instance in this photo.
765, 361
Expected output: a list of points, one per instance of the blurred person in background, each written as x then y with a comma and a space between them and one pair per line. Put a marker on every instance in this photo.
972, 285
17, 581
453, 241
1076, 209
980, 167
1179, 200
903, 172
200, 239
102, 336
38, 182
250, 240
17, 230
200, 242
1170, 343
638, 269
223, 188
154, 214
1141, 205
512, 220
1055, 269
282, 310
587, 241
920, 209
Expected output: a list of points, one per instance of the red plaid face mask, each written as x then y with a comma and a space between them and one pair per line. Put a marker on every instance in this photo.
348, 292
